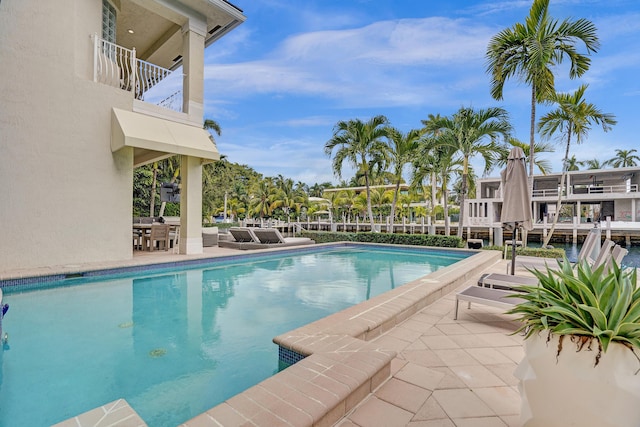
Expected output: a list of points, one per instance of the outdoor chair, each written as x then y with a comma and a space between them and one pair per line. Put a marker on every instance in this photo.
159, 234
588, 246
272, 236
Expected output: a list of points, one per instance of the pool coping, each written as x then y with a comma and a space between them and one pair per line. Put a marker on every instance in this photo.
339, 367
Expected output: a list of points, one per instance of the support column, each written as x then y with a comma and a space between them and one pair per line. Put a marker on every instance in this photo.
191, 205
193, 35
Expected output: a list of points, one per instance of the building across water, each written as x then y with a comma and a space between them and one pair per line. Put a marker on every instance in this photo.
608, 196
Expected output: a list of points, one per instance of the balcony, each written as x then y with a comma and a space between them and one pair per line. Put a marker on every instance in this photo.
580, 190
118, 66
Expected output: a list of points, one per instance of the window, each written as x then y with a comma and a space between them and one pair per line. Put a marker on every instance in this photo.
108, 21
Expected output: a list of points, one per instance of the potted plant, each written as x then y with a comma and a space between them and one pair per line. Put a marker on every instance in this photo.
582, 340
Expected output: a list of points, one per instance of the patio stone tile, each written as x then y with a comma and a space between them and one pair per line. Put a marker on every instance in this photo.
388, 342
397, 364
433, 331
450, 380
430, 410
499, 340
455, 357
515, 353
404, 334
375, 412
438, 342
477, 376
445, 422
423, 357
502, 400
346, 422
426, 317
468, 340
479, 422
488, 356
505, 372
420, 375
478, 327
462, 403
416, 325
402, 394
452, 329
415, 346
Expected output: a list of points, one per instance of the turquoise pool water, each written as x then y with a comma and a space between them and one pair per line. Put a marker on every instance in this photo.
176, 343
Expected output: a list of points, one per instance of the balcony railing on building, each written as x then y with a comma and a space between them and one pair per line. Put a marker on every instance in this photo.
590, 189
118, 66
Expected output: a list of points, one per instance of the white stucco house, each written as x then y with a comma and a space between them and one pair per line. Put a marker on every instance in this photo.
76, 117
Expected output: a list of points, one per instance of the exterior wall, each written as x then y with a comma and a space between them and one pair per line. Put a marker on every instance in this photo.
67, 197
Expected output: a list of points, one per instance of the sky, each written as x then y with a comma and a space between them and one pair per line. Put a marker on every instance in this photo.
279, 83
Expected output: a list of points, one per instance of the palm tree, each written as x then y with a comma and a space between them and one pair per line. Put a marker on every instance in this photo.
262, 197
573, 164
574, 116
360, 144
595, 164
544, 165
472, 132
210, 124
402, 149
442, 158
529, 52
624, 158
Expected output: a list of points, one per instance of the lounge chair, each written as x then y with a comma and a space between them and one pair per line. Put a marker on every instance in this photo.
487, 296
272, 236
260, 238
617, 254
506, 281
591, 242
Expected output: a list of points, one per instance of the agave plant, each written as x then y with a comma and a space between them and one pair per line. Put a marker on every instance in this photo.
585, 304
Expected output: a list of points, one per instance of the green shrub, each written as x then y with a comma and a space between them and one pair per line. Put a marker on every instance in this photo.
394, 239
538, 252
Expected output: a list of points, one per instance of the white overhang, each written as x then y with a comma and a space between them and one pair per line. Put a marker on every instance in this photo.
154, 139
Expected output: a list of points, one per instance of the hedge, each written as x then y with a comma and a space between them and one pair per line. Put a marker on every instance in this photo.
390, 238
537, 252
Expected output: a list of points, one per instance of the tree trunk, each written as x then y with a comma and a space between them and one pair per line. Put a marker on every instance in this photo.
173, 179
532, 140
562, 181
395, 199
434, 193
152, 202
369, 208
463, 196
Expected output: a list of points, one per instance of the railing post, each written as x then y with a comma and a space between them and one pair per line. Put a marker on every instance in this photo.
134, 74
96, 42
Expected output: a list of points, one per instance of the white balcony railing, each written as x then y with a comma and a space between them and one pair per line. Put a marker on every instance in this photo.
118, 66
591, 189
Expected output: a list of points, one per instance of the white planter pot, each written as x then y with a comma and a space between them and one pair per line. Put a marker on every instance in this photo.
570, 391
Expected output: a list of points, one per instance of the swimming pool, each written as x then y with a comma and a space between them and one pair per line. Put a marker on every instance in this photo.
175, 343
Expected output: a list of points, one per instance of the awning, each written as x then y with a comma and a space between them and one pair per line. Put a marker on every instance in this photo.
154, 139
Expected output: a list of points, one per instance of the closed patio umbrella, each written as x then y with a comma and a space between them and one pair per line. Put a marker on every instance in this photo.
516, 200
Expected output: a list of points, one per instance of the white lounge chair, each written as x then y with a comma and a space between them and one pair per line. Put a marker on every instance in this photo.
591, 242
487, 296
260, 238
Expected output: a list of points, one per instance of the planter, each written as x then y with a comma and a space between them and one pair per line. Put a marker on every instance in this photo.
568, 390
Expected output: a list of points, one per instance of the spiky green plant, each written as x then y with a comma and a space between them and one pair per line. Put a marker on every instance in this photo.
585, 304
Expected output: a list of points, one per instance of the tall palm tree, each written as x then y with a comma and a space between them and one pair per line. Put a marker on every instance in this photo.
574, 116
402, 150
573, 164
262, 197
624, 158
595, 164
473, 132
531, 50
543, 165
361, 145
443, 158
210, 124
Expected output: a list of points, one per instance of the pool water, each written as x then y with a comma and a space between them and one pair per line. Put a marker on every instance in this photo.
176, 343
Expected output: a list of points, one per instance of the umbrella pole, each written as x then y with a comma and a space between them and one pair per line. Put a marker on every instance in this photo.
513, 250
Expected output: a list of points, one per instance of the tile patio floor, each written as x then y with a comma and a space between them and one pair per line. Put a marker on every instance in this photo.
448, 372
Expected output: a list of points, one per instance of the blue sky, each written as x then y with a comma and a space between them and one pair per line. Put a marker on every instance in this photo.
279, 83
